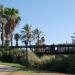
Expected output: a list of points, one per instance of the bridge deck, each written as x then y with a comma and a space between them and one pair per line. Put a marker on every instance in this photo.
49, 49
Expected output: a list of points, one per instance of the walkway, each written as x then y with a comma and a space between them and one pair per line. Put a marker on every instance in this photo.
4, 68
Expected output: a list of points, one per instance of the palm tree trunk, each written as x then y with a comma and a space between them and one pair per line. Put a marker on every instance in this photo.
29, 42
2, 36
11, 39
38, 39
30, 45
16, 43
27, 61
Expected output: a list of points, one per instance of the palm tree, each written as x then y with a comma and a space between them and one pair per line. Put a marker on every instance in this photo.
3, 20
27, 34
43, 39
40, 44
26, 38
73, 39
13, 20
17, 37
36, 34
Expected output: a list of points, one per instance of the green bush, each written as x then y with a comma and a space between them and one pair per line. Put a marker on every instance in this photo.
46, 62
34, 60
7, 56
19, 56
64, 63
59, 63
47, 58
12, 55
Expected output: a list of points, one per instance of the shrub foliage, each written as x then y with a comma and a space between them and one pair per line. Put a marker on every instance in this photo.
58, 63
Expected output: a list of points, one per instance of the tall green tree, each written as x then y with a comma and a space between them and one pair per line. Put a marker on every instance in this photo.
3, 20
37, 34
12, 21
26, 38
27, 34
43, 39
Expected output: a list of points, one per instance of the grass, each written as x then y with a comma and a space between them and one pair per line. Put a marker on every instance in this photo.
9, 64
22, 70
19, 67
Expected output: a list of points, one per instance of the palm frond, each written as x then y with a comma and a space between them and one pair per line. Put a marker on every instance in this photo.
72, 36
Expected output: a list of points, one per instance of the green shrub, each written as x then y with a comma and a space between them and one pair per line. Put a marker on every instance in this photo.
34, 60
47, 58
65, 63
46, 62
7, 57
60, 63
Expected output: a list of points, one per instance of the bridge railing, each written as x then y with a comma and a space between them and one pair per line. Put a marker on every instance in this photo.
49, 49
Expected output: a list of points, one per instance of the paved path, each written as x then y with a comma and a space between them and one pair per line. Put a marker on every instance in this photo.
4, 68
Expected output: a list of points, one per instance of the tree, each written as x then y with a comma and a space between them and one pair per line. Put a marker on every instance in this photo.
41, 43
17, 37
3, 20
36, 34
27, 34
26, 37
12, 21
43, 39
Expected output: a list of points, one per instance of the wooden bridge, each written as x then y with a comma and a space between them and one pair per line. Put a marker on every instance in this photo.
49, 49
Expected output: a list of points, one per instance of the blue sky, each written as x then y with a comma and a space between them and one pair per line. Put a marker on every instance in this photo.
56, 18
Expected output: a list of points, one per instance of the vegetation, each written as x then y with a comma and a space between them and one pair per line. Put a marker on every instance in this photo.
17, 37
10, 18
44, 63
37, 33
26, 34
22, 70
25, 57
73, 38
